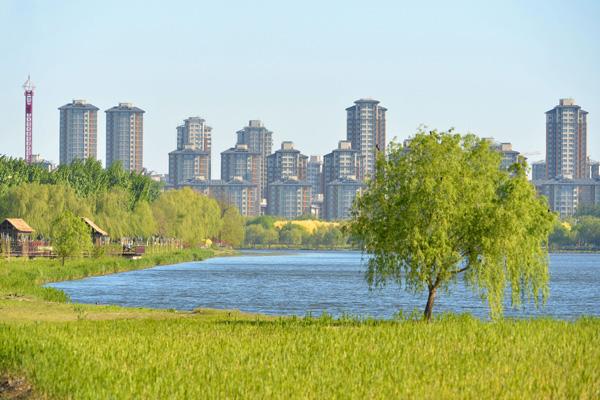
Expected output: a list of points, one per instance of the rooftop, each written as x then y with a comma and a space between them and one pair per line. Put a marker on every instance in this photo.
125, 107
19, 224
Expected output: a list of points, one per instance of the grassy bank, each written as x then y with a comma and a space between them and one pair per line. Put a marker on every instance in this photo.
24, 277
65, 350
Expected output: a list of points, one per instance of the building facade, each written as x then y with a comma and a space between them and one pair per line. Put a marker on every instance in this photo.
314, 176
366, 130
259, 140
188, 164
125, 137
78, 131
191, 161
285, 163
339, 198
509, 156
538, 170
341, 163
289, 198
237, 192
565, 196
194, 132
239, 161
566, 141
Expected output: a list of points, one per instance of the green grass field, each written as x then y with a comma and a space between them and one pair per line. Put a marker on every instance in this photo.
66, 350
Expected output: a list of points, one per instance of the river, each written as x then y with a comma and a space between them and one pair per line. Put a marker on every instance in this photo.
303, 282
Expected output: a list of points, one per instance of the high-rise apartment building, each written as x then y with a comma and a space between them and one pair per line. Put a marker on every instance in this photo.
188, 164
341, 168
567, 182
194, 132
285, 163
566, 141
191, 161
239, 161
538, 170
237, 192
258, 139
365, 129
125, 136
289, 198
339, 198
509, 156
314, 176
78, 131
341, 163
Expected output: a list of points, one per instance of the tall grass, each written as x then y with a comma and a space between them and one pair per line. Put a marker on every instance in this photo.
457, 357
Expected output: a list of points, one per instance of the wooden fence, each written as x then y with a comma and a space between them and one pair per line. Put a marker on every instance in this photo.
127, 247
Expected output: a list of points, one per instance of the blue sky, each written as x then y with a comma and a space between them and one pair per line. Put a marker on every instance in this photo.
491, 68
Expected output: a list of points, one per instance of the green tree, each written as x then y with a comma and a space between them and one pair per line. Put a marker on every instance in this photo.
70, 236
333, 237
291, 234
588, 231
187, 215
255, 234
442, 208
270, 236
562, 235
232, 231
40, 204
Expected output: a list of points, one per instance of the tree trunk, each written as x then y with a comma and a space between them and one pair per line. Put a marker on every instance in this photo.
430, 300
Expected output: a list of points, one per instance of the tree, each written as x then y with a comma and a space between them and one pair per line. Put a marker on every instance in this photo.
562, 235
588, 231
40, 204
255, 234
232, 231
291, 234
442, 207
70, 236
187, 215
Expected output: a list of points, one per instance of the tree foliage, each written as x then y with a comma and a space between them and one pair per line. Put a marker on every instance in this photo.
85, 177
443, 207
232, 230
188, 215
70, 236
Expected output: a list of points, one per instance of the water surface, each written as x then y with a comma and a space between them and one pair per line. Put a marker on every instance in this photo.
302, 282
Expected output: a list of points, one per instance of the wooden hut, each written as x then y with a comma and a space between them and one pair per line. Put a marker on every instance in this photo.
15, 229
99, 236
17, 234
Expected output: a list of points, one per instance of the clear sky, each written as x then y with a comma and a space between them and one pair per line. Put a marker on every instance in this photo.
489, 67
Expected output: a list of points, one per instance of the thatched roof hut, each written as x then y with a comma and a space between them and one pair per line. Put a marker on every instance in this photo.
15, 228
99, 235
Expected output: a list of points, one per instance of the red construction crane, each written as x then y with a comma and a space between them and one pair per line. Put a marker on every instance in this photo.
29, 88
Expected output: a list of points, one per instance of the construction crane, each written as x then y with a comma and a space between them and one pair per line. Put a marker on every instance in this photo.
29, 88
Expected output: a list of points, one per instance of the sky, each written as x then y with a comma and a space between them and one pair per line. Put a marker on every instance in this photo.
487, 67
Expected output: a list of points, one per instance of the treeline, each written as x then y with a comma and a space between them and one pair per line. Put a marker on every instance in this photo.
579, 232
126, 205
269, 232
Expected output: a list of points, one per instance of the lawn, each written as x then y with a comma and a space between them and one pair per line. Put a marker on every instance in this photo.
65, 350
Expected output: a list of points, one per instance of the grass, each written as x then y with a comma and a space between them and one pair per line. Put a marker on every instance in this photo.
67, 350
24, 277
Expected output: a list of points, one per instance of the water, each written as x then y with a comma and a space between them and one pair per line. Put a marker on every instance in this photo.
302, 282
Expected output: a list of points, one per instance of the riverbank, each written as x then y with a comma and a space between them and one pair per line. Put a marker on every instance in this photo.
53, 349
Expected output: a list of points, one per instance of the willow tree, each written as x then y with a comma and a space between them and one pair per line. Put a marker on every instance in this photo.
443, 208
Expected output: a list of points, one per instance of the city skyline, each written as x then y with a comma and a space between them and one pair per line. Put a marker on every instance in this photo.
495, 57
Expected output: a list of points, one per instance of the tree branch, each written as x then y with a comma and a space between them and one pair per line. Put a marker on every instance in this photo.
458, 271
